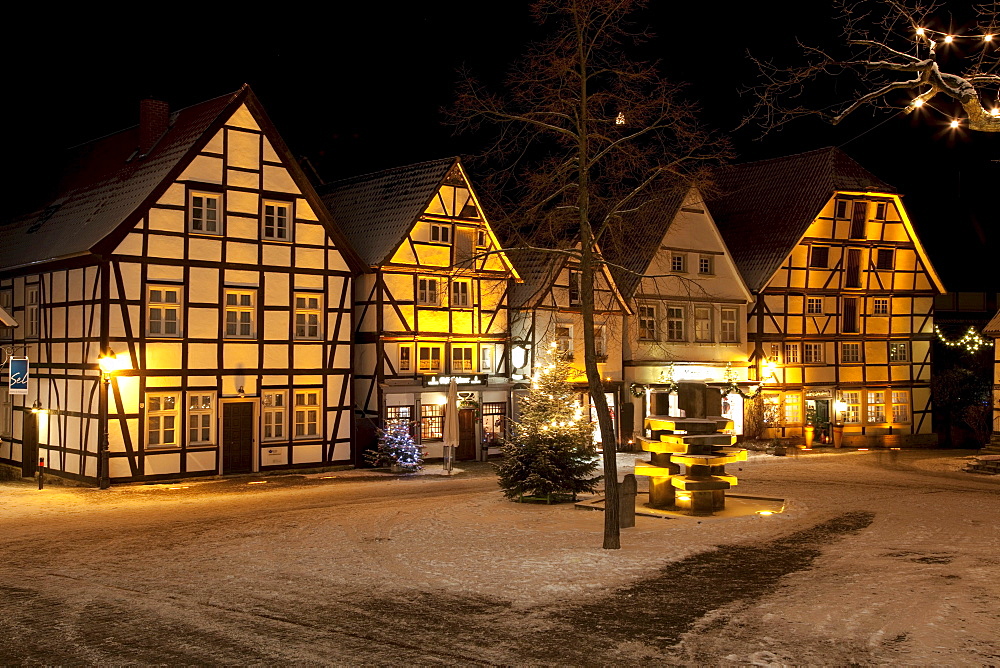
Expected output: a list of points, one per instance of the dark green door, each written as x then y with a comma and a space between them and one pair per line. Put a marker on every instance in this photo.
237, 437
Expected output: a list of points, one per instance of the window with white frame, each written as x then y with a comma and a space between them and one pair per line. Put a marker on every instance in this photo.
775, 353
162, 417
814, 305
876, 407
460, 293
163, 310
239, 322
899, 351
405, 361
482, 239
204, 212
308, 316
729, 331
306, 413
852, 413
461, 359
31, 311
574, 287
793, 408
274, 414
812, 353
427, 291
678, 262
441, 233
600, 341
7, 304
706, 265
703, 323
675, 323
791, 353
429, 359
880, 306
201, 418
486, 358
900, 406
276, 225
647, 322
564, 339
850, 353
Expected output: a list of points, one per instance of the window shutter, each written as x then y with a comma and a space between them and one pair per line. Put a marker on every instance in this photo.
859, 215
463, 248
853, 277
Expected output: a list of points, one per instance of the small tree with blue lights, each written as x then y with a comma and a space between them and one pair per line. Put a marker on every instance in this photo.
550, 453
396, 448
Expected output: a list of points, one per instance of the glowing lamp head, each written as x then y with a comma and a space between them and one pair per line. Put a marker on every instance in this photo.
921, 31
995, 111
953, 125
949, 39
36, 406
987, 38
108, 362
918, 102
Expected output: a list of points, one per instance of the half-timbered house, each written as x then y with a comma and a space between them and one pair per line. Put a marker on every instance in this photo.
193, 257
842, 319
687, 302
546, 319
433, 307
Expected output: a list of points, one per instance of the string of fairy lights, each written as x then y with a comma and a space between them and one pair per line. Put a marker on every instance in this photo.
971, 341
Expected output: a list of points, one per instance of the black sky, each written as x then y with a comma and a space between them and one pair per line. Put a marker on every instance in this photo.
359, 87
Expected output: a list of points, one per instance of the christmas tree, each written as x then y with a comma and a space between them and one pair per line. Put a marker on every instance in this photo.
396, 448
550, 452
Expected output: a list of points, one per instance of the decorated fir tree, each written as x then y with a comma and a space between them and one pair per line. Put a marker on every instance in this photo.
396, 448
550, 451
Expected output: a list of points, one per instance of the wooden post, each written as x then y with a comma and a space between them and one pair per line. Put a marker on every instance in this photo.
626, 502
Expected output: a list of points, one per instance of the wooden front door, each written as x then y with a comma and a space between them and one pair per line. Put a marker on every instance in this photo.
237, 437
466, 434
29, 444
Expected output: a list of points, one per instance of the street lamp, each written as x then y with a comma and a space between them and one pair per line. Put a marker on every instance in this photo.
108, 364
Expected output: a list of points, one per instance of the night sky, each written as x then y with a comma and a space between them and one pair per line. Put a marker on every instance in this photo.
359, 87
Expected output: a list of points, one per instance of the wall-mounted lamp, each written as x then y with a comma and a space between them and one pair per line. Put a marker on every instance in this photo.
108, 362
36, 407
241, 392
519, 355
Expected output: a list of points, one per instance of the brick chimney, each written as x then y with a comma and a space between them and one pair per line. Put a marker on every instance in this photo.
154, 116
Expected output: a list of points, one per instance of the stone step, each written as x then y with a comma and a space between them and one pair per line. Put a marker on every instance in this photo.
702, 484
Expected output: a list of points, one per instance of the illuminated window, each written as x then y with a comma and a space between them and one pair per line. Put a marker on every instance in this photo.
307, 316
306, 413
600, 342
675, 323
203, 213
398, 414
201, 418
775, 353
819, 257
812, 353
441, 233
430, 359
564, 339
814, 305
427, 291
277, 221
460, 293
791, 353
482, 239
239, 314
486, 358
275, 412
703, 323
7, 304
678, 262
880, 306
163, 310
729, 330
706, 264
899, 352
162, 416
876, 407
31, 312
900, 406
431, 422
494, 420
852, 413
885, 259
405, 363
850, 353
461, 359
647, 322
793, 408
574, 287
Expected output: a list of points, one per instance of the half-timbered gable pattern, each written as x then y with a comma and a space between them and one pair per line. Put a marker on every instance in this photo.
843, 294
194, 248
435, 304
688, 302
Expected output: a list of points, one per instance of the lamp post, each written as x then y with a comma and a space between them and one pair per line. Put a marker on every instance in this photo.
106, 361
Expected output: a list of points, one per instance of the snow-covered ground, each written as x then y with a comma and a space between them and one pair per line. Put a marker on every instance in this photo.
354, 568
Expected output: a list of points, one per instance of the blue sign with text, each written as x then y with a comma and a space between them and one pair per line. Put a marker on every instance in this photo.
19, 372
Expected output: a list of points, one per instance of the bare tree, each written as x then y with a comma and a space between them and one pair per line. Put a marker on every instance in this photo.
893, 54
585, 137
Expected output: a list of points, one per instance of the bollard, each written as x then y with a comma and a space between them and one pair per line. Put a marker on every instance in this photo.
41, 472
626, 502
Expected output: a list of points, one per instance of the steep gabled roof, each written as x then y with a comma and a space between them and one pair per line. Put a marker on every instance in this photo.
539, 268
993, 328
106, 186
765, 207
376, 211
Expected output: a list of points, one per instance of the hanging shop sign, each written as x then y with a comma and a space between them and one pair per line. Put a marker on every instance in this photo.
20, 370
819, 394
471, 379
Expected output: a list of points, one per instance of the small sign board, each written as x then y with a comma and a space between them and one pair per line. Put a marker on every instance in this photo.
465, 379
19, 372
819, 394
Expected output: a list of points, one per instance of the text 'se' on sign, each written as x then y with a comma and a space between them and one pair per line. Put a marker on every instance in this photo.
19, 372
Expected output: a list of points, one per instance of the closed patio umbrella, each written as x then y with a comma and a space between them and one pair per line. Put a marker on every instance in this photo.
451, 426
